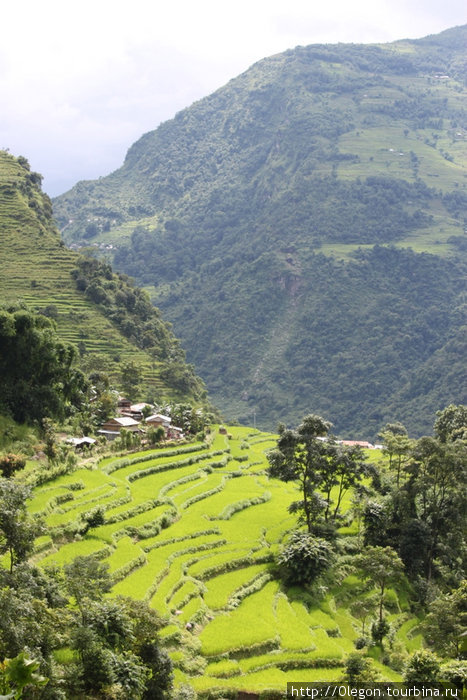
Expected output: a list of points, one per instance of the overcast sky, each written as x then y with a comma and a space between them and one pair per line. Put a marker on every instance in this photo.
80, 82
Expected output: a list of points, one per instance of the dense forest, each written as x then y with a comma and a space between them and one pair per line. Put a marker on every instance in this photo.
303, 229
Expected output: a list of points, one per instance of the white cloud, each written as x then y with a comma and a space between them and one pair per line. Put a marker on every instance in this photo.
81, 82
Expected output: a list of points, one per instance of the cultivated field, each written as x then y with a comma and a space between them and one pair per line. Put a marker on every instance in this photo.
194, 531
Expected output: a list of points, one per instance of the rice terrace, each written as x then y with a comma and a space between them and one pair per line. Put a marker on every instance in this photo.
194, 530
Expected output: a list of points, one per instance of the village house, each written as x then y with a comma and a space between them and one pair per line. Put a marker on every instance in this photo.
357, 443
175, 433
123, 405
136, 410
81, 443
172, 432
111, 428
158, 419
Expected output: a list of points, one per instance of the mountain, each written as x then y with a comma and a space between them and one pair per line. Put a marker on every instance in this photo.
303, 229
111, 321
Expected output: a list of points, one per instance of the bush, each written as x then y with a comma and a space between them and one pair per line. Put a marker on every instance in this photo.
94, 518
10, 463
379, 630
362, 642
455, 672
422, 667
358, 669
304, 558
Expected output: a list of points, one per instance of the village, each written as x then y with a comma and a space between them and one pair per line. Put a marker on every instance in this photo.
135, 418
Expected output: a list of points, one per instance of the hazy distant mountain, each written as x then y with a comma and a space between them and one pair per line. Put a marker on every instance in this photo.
304, 229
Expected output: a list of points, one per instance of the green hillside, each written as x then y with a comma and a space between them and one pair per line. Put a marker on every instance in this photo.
194, 532
103, 314
303, 229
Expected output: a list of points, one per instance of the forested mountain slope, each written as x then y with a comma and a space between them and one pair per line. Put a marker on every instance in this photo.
103, 314
303, 228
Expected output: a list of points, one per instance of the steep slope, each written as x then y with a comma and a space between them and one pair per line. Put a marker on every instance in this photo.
252, 217
40, 272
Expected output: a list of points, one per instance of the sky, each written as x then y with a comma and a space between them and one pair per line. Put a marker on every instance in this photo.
80, 82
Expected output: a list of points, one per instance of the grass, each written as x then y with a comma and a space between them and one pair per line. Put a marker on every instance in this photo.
294, 632
271, 679
78, 548
209, 565
236, 630
125, 553
220, 588
36, 270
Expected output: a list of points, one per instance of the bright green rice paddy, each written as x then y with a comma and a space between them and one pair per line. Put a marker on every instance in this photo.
197, 541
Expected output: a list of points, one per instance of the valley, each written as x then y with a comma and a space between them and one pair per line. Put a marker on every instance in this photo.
338, 171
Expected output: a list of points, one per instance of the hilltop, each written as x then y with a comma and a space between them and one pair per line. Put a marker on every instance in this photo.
109, 319
303, 229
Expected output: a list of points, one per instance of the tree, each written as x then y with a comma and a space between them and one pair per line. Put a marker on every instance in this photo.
37, 370
11, 463
342, 470
422, 667
300, 456
451, 423
382, 567
155, 435
375, 519
304, 558
94, 518
131, 374
17, 528
116, 639
455, 672
30, 615
184, 415
446, 621
358, 669
362, 608
159, 683
50, 439
86, 578
439, 477
17, 674
397, 445
320, 466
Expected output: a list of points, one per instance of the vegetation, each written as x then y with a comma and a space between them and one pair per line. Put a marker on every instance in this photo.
308, 217
62, 299
244, 599
240, 560
323, 469
37, 371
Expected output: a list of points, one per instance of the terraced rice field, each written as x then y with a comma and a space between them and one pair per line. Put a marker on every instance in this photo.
36, 271
194, 534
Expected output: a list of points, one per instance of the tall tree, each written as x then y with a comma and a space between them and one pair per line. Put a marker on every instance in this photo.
17, 528
382, 567
323, 469
451, 423
439, 475
397, 446
37, 370
301, 457
446, 621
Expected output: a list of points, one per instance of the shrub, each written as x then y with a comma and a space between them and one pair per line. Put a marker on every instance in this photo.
379, 630
455, 672
94, 518
11, 463
304, 558
422, 667
362, 642
358, 669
